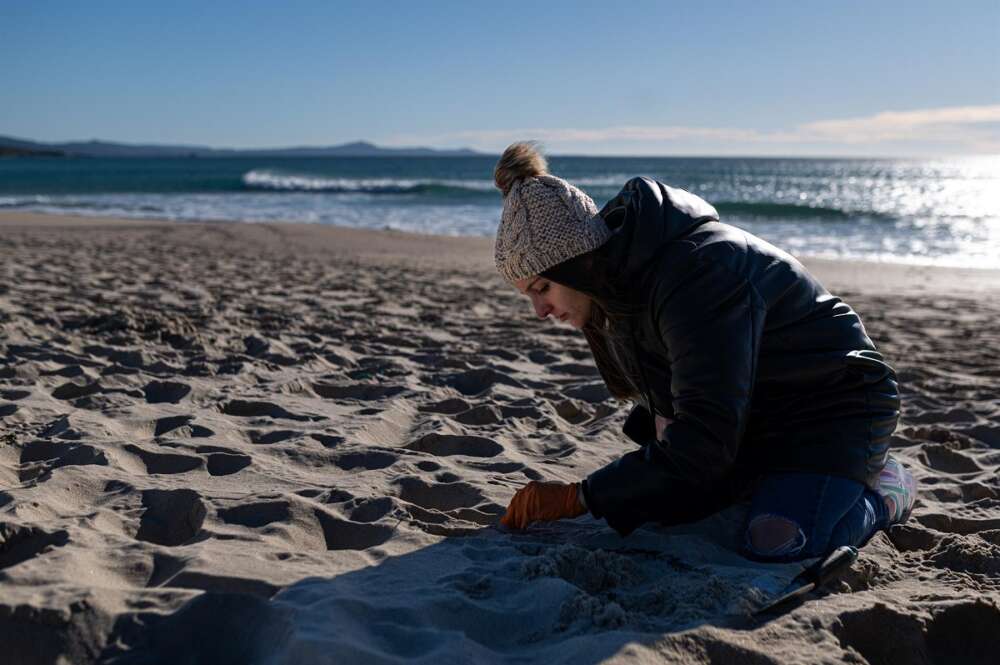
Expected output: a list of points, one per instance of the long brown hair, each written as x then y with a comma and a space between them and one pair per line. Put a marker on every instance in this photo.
613, 314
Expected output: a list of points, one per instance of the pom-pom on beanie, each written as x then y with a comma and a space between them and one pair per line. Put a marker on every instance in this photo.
545, 220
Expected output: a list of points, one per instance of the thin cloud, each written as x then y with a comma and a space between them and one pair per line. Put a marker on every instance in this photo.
973, 129
950, 123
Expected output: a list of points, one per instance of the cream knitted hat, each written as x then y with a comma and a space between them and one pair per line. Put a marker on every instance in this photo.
545, 220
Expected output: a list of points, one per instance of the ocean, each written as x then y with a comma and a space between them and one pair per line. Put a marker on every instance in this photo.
943, 212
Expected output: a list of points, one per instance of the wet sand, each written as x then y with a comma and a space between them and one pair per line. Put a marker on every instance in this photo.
287, 443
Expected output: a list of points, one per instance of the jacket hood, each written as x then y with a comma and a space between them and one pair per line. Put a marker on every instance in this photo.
643, 217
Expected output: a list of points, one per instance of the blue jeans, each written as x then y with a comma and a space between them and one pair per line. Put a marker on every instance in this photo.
828, 511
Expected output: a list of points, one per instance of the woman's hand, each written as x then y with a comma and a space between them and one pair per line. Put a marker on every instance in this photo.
537, 502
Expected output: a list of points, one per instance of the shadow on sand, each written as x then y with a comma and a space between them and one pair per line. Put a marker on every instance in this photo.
573, 591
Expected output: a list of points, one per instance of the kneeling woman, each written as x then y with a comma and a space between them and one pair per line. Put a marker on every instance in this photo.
750, 379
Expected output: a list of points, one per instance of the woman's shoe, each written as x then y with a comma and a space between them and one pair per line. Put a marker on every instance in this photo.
898, 489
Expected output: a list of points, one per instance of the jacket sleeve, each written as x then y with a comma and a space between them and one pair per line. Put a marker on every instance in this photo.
710, 323
639, 425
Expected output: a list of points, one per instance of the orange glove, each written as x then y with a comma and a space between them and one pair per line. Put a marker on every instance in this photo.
542, 502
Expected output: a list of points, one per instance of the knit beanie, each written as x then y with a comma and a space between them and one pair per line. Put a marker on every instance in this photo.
545, 220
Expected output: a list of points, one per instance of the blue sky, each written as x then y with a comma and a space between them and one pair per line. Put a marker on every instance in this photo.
786, 78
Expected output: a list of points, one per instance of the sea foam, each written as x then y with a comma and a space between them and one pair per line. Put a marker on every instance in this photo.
276, 180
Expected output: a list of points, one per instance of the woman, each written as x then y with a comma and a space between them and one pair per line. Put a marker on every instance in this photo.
750, 379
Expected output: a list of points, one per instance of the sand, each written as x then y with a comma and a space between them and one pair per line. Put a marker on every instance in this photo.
229, 443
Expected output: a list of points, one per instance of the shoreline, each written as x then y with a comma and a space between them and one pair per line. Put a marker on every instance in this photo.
472, 252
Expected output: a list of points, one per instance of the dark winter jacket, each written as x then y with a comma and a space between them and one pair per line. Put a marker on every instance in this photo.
760, 368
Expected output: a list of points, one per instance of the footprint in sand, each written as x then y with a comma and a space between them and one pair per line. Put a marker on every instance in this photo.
39, 457
255, 346
552, 447
976, 491
943, 458
332, 495
446, 445
273, 436
256, 515
71, 390
370, 510
160, 392
165, 463
171, 517
593, 393
180, 426
108, 400
988, 434
169, 424
503, 354
541, 357
437, 360
364, 392
223, 461
912, 537
251, 409
484, 414
18, 542
341, 534
576, 369
328, 440
378, 368
121, 357
571, 411
225, 464
438, 496
68, 372
520, 411
505, 468
478, 381
368, 460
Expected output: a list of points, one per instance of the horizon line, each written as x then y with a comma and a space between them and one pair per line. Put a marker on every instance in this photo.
478, 152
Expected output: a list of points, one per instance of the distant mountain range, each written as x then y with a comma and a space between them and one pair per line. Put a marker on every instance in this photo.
12, 147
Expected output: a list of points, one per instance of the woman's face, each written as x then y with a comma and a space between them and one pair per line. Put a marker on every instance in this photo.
551, 298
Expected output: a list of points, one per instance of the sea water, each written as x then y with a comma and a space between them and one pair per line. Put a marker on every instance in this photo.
944, 211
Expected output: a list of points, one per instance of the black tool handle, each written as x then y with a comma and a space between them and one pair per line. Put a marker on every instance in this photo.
835, 563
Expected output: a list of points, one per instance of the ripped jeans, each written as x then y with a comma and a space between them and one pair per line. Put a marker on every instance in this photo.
826, 512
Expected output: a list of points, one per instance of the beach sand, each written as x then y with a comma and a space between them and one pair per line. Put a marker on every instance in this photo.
248, 443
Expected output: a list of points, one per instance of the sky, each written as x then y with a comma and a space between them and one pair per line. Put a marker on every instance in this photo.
810, 78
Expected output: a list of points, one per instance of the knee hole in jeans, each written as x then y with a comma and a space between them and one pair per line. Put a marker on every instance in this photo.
774, 535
